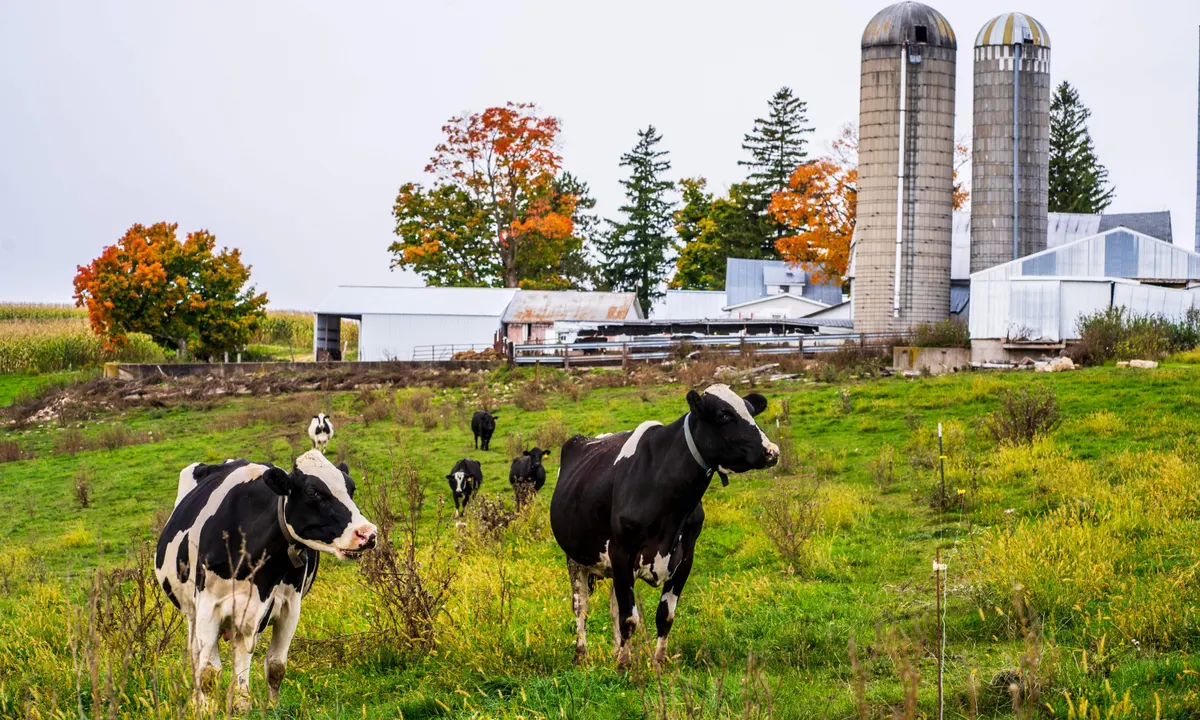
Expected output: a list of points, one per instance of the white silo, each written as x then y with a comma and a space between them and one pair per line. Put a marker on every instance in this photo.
1010, 163
906, 170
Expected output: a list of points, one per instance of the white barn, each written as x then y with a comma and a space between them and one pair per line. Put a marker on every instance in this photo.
410, 323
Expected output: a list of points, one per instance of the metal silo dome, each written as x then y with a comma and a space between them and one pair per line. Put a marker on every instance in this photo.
909, 22
1011, 28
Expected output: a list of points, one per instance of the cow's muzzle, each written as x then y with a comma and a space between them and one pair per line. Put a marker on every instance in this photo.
772, 454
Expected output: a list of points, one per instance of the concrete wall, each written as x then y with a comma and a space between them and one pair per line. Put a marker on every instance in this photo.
928, 191
938, 361
992, 154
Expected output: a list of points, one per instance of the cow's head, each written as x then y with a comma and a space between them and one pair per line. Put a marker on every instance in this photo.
319, 506
459, 482
487, 423
536, 455
725, 432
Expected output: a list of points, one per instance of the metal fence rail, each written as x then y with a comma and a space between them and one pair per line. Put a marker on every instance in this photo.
661, 348
442, 353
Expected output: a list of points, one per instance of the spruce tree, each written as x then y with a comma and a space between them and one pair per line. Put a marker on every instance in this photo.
636, 249
777, 147
1078, 182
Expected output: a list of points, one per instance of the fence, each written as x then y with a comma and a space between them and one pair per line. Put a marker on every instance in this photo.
441, 353
662, 348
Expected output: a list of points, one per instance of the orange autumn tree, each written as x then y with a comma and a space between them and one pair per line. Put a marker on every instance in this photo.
183, 294
495, 214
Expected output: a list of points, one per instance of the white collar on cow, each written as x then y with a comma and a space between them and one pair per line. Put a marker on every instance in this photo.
691, 445
295, 551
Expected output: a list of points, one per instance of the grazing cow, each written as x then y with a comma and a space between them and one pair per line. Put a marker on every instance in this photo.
527, 475
483, 424
241, 549
465, 479
320, 430
627, 505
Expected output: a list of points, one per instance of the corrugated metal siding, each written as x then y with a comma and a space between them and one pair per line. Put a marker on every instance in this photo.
547, 306
690, 305
1080, 298
1153, 300
380, 300
393, 337
744, 282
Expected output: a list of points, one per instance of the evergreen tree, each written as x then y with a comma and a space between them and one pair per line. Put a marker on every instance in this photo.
777, 147
1078, 182
713, 229
636, 249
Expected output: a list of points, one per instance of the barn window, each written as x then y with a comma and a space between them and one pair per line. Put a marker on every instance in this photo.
922, 33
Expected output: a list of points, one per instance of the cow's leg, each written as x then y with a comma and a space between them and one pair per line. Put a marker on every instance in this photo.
457, 512
243, 649
580, 580
281, 640
622, 605
673, 587
207, 631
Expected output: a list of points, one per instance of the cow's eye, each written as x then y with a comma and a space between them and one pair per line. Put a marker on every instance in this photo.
724, 416
311, 493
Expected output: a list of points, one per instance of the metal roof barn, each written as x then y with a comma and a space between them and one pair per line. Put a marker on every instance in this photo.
752, 279
411, 323
690, 305
547, 306
1040, 298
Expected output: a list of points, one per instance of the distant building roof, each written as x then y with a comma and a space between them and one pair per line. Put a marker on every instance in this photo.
690, 305
351, 300
746, 279
1118, 253
1011, 28
816, 304
1154, 224
547, 306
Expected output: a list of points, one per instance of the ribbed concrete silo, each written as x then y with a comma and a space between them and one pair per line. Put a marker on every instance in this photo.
1010, 163
905, 170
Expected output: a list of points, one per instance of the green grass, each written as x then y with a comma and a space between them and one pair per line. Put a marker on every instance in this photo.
744, 624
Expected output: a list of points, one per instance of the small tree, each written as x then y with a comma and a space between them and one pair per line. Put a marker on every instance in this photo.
777, 147
1078, 182
182, 294
636, 250
713, 229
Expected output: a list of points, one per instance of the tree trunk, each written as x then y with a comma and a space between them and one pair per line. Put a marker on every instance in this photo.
181, 353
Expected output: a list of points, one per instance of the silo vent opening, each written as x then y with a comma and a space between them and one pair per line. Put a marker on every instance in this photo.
922, 33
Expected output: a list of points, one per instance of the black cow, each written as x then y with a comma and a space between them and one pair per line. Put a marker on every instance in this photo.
241, 549
527, 475
483, 424
465, 479
627, 505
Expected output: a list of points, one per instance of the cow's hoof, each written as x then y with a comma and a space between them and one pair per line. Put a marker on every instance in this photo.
208, 680
623, 659
241, 702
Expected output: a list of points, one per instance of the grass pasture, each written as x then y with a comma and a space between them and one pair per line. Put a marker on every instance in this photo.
1071, 586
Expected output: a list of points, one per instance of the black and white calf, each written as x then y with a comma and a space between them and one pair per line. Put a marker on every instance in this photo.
527, 474
241, 549
483, 425
465, 479
628, 505
320, 431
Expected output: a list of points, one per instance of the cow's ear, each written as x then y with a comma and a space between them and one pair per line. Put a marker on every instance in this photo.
495, 415
344, 468
757, 403
696, 404
278, 480
545, 453
525, 452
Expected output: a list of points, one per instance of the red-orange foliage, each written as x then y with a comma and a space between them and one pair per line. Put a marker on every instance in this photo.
820, 205
176, 292
506, 159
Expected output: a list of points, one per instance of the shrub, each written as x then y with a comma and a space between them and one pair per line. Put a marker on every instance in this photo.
529, 398
115, 436
373, 406
553, 434
883, 468
70, 442
843, 405
514, 443
10, 451
789, 461
1114, 333
792, 519
1023, 415
83, 487
946, 333
409, 573
488, 519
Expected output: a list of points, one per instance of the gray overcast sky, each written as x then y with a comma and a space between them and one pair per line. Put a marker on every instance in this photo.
286, 127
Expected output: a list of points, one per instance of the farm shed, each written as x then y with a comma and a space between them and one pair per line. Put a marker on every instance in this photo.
779, 305
411, 323
1038, 299
747, 280
531, 314
690, 305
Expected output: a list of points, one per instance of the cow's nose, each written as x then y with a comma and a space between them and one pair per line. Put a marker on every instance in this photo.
772, 453
366, 537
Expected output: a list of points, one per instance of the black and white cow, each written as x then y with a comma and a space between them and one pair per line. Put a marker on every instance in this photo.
241, 549
527, 474
483, 425
320, 431
465, 479
628, 505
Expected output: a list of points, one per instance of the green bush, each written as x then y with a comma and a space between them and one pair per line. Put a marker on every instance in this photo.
947, 333
1116, 334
